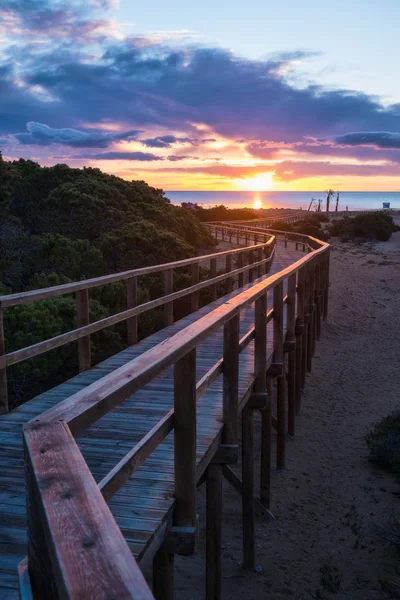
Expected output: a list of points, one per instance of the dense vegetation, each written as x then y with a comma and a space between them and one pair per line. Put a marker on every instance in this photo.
310, 226
61, 224
378, 226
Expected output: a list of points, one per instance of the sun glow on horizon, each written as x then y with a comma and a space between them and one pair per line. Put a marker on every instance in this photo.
259, 183
257, 204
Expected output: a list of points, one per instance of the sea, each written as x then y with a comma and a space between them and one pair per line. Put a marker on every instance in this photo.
297, 200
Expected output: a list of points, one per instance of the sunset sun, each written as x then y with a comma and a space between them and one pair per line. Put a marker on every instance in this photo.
259, 183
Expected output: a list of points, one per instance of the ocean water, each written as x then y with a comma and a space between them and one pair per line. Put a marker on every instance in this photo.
354, 200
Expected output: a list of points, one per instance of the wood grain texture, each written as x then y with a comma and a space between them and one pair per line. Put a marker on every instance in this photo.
89, 557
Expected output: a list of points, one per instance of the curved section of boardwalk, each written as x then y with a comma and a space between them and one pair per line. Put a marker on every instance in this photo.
143, 508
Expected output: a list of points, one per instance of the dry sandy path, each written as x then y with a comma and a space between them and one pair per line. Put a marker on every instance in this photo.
328, 498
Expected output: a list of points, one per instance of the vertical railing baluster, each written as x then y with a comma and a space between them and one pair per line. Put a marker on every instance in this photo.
240, 265
185, 440
306, 321
131, 302
213, 273
259, 254
82, 318
228, 269
326, 283
195, 296
290, 339
3, 371
231, 380
168, 289
280, 384
299, 330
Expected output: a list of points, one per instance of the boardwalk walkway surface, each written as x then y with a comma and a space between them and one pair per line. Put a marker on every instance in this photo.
144, 505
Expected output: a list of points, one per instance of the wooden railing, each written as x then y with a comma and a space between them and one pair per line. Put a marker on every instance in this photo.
250, 260
75, 547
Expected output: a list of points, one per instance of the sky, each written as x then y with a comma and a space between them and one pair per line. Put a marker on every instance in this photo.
211, 95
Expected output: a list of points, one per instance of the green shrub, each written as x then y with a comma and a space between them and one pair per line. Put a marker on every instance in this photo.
281, 226
383, 442
309, 228
378, 226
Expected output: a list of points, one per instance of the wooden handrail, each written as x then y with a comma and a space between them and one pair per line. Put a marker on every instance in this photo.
76, 549
130, 316
85, 407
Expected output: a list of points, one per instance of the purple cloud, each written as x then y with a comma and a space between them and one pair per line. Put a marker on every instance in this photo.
166, 141
42, 135
141, 156
380, 139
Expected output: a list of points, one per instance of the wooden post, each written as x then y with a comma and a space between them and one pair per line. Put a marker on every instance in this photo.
185, 440
3, 372
285, 240
228, 269
245, 238
260, 343
82, 318
168, 289
299, 335
280, 384
251, 261
318, 300
310, 326
214, 532
213, 273
306, 320
326, 277
163, 575
248, 488
231, 380
259, 258
194, 298
239, 266
290, 337
266, 443
131, 302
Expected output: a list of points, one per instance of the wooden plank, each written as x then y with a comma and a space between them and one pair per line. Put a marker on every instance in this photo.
93, 560
214, 532
185, 440
82, 314
231, 379
131, 302
136, 457
3, 370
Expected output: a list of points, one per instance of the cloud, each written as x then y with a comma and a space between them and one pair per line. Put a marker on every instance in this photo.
379, 139
141, 156
42, 135
166, 141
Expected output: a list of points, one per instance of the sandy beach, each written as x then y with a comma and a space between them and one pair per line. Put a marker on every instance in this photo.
329, 499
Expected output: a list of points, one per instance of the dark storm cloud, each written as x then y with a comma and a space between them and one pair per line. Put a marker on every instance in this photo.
380, 139
166, 141
42, 135
141, 156
234, 96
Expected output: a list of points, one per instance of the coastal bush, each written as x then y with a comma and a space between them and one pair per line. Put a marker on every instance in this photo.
281, 226
310, 228
60, 225
374, 226
383, 441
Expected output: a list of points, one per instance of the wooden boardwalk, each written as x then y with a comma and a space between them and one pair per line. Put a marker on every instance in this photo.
144, 505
